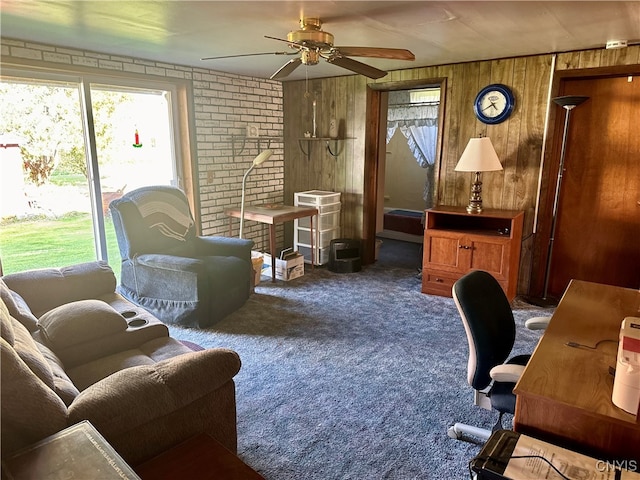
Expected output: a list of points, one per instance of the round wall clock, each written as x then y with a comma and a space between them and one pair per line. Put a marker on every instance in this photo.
494, 103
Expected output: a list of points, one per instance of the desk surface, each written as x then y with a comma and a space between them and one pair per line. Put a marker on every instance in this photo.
272, 214
565, 392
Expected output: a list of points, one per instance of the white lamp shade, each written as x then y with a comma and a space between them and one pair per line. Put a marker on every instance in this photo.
479, 156
262, 157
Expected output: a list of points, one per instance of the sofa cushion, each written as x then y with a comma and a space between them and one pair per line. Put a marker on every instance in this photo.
81, 321
17, 307
47, 288
17, 336
62, 384
29, 410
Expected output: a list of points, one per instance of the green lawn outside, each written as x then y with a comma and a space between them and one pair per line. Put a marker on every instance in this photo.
49, 242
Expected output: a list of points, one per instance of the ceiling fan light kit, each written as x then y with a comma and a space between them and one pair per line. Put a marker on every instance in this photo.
312, 43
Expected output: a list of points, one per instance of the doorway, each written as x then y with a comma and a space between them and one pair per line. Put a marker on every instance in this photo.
598, 219
407, 163
428, 94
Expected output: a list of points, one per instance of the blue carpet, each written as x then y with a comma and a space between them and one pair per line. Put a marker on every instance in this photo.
352, 376
405, 213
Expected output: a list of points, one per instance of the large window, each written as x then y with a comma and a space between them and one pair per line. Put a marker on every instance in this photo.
68, 146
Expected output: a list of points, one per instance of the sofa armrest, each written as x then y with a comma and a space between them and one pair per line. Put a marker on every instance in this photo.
147, 393
145, 410
224, 246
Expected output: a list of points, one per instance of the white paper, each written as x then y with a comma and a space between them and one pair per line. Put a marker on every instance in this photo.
572, 465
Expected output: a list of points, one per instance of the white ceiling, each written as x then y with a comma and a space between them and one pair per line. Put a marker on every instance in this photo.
182, 32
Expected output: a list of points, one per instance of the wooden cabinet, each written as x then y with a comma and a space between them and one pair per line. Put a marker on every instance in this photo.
456, 242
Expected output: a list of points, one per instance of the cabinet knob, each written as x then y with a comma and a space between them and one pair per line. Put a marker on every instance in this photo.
439, 280
466, 247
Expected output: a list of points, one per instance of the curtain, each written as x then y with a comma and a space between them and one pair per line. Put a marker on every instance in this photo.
419, 125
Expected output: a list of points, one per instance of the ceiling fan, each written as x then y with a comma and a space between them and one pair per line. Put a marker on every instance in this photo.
312, 44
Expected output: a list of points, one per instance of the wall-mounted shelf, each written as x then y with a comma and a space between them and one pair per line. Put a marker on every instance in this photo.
332, 145
241, 142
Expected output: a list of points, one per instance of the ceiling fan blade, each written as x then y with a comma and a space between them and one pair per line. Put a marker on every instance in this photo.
287, 68
372, 52
248, 55
357, 67
299, 45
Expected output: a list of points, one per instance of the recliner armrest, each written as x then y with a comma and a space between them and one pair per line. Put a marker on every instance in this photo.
170, 262
507, 372
224, 246
537, 323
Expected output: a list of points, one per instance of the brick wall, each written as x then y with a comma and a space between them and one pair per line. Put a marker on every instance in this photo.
223, 105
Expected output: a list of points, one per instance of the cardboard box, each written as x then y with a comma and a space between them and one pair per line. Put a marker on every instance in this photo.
292, 266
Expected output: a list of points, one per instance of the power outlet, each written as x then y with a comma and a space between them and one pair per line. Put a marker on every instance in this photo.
209, 177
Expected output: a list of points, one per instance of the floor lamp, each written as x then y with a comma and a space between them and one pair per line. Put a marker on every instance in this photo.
260, 159
568, 102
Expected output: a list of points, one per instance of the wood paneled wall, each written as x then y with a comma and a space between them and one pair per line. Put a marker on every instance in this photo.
519, 141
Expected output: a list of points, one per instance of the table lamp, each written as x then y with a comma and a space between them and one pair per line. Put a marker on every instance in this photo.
260, 159
479, 156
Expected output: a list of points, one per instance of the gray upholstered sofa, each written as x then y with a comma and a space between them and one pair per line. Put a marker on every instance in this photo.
73, 349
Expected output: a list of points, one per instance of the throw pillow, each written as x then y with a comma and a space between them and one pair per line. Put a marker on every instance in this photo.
81, 321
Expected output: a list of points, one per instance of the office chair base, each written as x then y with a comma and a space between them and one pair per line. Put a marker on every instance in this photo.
459, 430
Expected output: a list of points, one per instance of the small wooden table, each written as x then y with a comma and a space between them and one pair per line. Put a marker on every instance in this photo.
564, 394
79, 451
199, 458
273, 215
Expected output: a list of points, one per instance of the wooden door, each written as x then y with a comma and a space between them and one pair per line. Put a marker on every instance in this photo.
598, 223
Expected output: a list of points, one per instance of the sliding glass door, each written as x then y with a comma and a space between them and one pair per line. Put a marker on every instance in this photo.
69, 146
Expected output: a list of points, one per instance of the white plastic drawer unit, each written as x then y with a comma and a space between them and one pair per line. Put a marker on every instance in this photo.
316, 197
324, 221
322, 238
321, 254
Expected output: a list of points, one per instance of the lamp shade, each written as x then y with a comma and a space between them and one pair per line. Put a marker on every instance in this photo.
262, 157
479, 156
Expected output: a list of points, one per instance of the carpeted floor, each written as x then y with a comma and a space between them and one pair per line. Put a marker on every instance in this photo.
353, 376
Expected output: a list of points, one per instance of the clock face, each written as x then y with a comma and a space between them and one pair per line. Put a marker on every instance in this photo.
494, 104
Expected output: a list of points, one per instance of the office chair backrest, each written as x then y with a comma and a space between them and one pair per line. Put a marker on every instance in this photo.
488, 322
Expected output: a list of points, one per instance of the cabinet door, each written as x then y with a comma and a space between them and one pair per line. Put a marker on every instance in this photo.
488, 253
441, 252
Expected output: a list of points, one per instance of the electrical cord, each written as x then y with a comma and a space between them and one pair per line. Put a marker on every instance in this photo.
591, 347
548, 461
494, 460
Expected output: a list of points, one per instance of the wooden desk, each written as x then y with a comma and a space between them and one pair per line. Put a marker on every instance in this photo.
564, 395
273, 216
199, 458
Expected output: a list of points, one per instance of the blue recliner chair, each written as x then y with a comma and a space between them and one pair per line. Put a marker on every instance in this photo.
178, 276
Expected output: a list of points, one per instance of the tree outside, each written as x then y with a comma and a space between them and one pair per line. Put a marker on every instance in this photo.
47, 174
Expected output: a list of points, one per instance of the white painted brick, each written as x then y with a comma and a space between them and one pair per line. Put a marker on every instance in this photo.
29, 53
56, 57
85, 61
132, 67
110, 65
161, 72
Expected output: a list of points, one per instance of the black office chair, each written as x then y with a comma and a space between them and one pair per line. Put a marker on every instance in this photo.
491, 332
